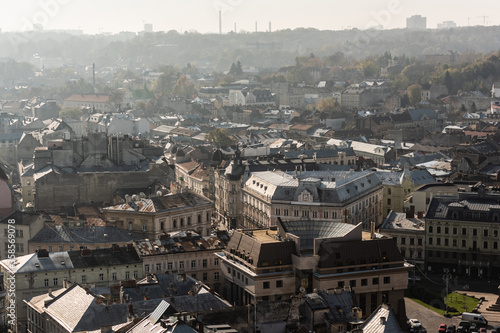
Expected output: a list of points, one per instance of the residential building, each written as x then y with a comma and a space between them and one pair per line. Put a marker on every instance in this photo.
382, 320
378, 153
251, 97
350, 197
153, 216
365, 94
25, 226
91, 169
462, 233
417, 22
6, 196
37, 272
409, 233
399, 185
184, 252
419, 200
96, 102
299, 256
339, 156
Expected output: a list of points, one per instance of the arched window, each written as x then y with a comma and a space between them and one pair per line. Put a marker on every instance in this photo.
162, 225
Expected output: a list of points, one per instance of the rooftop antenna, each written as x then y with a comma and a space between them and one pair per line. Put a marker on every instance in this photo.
220, 22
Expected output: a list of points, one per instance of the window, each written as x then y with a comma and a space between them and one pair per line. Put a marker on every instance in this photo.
403, 240
46, 282
175, 223
296, 212
455, 231
495, 233
454, 242
431, 229
430, 240
387, 279
375, 280
412, 241
189, 221
204, 263
446, 230
193, 264
158, 267
136, 274
205, 276
50, 248
55, 281
279, 284
169, 266
193, 276
101, 277
181, 264
420, 241
266, 285
216, 262
485, 232
464, 231
389, 201
495, 245
144, 227
446, 242
464, 243
216, 276
182, 222
474, 232
485, 245
146, 268
325, 214
438, 230
364, 282
162, 225
438, 241
60, 248
84, 279
389, 191
352, 283
199, 218
278, 211
340, 284
127, 275
115, 277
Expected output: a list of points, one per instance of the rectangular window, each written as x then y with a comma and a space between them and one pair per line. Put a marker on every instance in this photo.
205, 276
216, 276
279, 284
136, 275
60, 248
158, 267
387, 279
266, 285
485, 232
115, 277
438, 241
403, 240
216, 262
454, 242
204, 263
325, 214
474, 232
375, 280
438, 230
146, 268
464, 243
50, 248
193, 264
296, 212
55, 281
412, 241
495, 245
455, 231
181, 264
101, 277
352, 283
285, 212
464, 231
169, 266
446, 242
430, 229
485, 245
278, 211
84, 279
340, 284
46, 282
430, 240
420, 241
364, 282
446, 230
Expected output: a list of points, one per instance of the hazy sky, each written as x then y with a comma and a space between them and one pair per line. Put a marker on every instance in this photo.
94, 16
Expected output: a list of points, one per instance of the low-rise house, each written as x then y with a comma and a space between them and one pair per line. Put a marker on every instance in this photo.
382, 320
409, 233
25, 225
96, 102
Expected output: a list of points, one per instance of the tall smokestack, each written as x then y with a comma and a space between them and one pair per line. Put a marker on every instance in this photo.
255, 26
234, 27
269, 26
220, 22
93, 76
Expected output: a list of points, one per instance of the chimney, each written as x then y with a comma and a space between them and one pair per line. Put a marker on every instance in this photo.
382, 320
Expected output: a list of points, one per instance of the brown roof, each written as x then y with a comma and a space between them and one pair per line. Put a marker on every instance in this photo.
302, 127
188, 166
358, 252
88, 98
262, 249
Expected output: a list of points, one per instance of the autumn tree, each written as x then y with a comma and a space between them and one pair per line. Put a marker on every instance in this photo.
219, 137
328, 105
73, 113
415, 94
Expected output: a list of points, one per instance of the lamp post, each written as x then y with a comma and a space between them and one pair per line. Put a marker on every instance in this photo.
446, 278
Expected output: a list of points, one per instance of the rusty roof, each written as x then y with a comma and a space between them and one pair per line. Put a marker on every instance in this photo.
183, 241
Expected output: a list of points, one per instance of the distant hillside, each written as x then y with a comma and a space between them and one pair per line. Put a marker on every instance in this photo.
262, 50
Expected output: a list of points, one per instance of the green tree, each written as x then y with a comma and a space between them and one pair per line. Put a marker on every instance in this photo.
219, 137
184, 87
328, 105
73, 113
415, 94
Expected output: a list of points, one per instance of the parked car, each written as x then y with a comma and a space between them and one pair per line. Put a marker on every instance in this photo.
442, 328
463, 326
414, 323
451, 329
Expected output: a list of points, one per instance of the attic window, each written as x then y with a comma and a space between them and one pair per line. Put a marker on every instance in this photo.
265, 188
254, 182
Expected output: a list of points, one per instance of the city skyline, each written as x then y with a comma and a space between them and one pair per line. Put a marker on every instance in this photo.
94, 17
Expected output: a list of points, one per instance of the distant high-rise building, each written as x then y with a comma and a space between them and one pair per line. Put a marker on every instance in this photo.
148, 27
446, 25
416, 22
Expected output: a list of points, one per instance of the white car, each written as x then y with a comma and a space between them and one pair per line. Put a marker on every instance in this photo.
414, 278
414, 323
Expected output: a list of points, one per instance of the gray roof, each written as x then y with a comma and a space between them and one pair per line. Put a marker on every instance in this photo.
418, 177
32, 263
321, 153
83, 235
373, 323
399, 221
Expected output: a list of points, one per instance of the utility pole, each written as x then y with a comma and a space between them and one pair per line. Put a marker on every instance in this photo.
446, 278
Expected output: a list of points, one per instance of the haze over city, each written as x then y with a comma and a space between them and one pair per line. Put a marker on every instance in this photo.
113, 16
